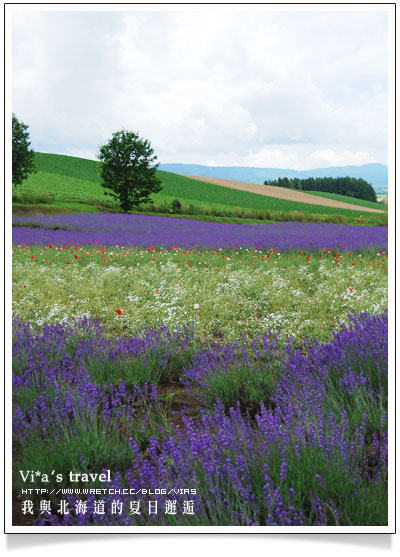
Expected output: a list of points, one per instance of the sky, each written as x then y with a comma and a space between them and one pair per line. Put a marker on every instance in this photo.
221, 87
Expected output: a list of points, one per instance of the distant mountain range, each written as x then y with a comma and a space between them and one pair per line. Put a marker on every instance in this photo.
375, 174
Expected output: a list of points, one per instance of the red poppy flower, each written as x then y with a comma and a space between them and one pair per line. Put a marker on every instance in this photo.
118, 311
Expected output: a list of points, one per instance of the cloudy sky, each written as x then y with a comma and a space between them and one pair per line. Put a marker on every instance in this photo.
239, 88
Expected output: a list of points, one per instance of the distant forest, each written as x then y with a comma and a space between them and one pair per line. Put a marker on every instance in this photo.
352, 187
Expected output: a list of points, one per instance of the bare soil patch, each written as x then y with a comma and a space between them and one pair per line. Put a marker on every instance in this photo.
283, 193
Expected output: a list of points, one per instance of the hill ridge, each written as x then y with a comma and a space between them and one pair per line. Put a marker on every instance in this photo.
374, 173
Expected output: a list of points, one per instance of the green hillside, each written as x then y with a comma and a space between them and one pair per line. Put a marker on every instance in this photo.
74, 167
347, 199
64, 181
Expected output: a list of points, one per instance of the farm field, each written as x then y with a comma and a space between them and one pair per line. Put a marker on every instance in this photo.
286, 194
344, 198
239, 369
65, 182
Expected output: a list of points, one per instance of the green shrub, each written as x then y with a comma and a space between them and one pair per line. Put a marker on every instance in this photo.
176, 206
33, 198
248, 385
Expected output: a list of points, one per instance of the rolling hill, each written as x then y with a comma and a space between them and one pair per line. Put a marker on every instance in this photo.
73, 184
288, 194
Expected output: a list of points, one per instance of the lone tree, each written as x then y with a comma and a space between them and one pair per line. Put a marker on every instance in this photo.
22, 156
128, 169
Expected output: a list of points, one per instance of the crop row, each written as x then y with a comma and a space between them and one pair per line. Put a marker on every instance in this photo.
142, 230
305, 442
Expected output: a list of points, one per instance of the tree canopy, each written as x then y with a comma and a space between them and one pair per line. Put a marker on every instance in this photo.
22, 156
351, 187
128, 169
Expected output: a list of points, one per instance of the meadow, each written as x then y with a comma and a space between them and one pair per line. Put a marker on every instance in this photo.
245, 364
261, 277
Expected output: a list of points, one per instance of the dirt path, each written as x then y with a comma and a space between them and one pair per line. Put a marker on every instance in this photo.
283, 193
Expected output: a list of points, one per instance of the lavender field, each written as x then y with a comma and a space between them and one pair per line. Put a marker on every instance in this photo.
143, 230
304, 444
238, 373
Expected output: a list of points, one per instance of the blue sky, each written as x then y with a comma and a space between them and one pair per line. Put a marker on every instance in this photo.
208, 86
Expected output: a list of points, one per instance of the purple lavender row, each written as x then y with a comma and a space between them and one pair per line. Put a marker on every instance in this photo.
144, 230
314, 453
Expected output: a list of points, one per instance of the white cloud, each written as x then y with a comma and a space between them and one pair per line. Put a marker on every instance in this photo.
273, 158
299, 158
255, 88
328, 157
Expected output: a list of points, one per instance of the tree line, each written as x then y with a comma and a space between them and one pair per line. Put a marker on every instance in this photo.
351, 187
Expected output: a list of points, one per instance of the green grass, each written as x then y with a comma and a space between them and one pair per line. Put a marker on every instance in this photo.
73, 167
63, 188
67, 180
188, 190
250, 385
347, 199
22, 210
